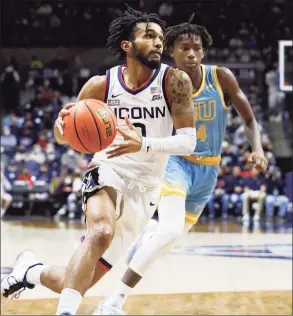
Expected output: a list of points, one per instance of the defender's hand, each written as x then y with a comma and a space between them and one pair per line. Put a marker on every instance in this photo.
131, 144
258, 161
59, 124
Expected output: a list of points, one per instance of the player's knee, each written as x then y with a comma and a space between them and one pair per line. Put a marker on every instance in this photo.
100, 235
171, 234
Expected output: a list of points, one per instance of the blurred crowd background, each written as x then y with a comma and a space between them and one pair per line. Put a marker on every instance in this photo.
51, 48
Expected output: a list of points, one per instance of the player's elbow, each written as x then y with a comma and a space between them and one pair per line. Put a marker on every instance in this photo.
189, 139
191, 145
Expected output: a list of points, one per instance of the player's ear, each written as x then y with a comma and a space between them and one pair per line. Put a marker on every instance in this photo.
126, 46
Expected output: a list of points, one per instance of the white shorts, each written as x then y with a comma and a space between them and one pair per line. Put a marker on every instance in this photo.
135, 205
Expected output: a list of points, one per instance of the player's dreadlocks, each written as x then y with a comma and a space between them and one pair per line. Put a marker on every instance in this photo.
173, 32
122, 28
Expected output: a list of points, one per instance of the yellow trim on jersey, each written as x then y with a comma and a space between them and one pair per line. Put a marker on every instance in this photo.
191, 218
168, 189
218, 86
201, 160
203, 82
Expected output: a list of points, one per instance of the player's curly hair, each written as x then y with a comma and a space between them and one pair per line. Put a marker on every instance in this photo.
173, 32
122, 28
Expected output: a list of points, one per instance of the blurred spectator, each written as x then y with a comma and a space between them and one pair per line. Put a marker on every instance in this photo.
4, 158
6, 198
43, 174
75, 195
254, 190
228, 157
50, 152
8, 141
27, 138
36, 63
83, 77
234, 185
70, 158
219, 196
37, 155
25, 175
12, 171
10, 89
275, 186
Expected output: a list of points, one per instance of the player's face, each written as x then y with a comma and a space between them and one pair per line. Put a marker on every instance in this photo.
188, 52
148, 44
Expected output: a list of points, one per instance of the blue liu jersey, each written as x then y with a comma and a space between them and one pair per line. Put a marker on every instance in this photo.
211, 114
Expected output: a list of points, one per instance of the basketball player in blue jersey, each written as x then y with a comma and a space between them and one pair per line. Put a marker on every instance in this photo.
190, 181
123, 183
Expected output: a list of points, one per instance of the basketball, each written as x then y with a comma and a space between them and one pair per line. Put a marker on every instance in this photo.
90, 126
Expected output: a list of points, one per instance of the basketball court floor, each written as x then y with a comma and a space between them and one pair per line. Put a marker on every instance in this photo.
219, 269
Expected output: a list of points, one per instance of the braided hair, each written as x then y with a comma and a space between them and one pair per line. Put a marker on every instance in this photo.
122, 28
173, 32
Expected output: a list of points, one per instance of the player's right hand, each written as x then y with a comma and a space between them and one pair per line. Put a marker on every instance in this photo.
59, 124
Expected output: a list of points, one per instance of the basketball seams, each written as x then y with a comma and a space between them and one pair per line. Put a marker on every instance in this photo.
95, 124
76, 131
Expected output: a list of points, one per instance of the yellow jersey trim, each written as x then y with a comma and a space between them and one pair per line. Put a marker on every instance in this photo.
191, 218
202, 160
218, 86
168, 189
203, 82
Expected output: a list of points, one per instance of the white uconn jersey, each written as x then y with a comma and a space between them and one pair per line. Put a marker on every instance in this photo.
147, 109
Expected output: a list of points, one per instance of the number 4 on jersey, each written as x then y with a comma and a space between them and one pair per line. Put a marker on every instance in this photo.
202, 133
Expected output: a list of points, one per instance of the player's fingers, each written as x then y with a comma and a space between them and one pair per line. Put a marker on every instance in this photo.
69, 105
117, 142
59, 126
129, 124
122, 131
264, 165
251, 159
118, 152
63, 112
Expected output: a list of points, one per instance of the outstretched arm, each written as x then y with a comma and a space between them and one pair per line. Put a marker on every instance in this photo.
231, 87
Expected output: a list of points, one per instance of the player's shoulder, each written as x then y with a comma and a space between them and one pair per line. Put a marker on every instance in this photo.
94, 88
177, 75
222, 71
97, 81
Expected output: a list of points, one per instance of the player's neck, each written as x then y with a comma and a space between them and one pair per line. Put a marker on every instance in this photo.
136, 74
196, 79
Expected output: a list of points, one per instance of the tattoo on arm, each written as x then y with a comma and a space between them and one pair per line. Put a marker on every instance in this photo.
180, 93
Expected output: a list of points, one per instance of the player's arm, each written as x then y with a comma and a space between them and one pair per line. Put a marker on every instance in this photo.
94, 88
179, 94
231, 87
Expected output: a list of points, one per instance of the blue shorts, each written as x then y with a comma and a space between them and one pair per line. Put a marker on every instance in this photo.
196, 182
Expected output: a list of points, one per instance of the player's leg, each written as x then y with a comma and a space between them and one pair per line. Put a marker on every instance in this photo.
6, 200
245, 206
170, 228
260, 199
101, 220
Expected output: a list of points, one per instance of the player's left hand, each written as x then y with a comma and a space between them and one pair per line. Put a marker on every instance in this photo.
258, 161
131, 144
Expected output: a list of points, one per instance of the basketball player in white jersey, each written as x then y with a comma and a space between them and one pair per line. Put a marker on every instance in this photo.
154, 97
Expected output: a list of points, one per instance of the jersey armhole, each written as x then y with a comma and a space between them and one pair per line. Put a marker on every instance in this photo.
218, 86
164, 84
107, 84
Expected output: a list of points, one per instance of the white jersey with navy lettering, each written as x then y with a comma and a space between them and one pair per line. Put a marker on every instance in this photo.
147, 109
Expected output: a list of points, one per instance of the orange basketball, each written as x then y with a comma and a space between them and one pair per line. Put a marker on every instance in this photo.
90, 126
